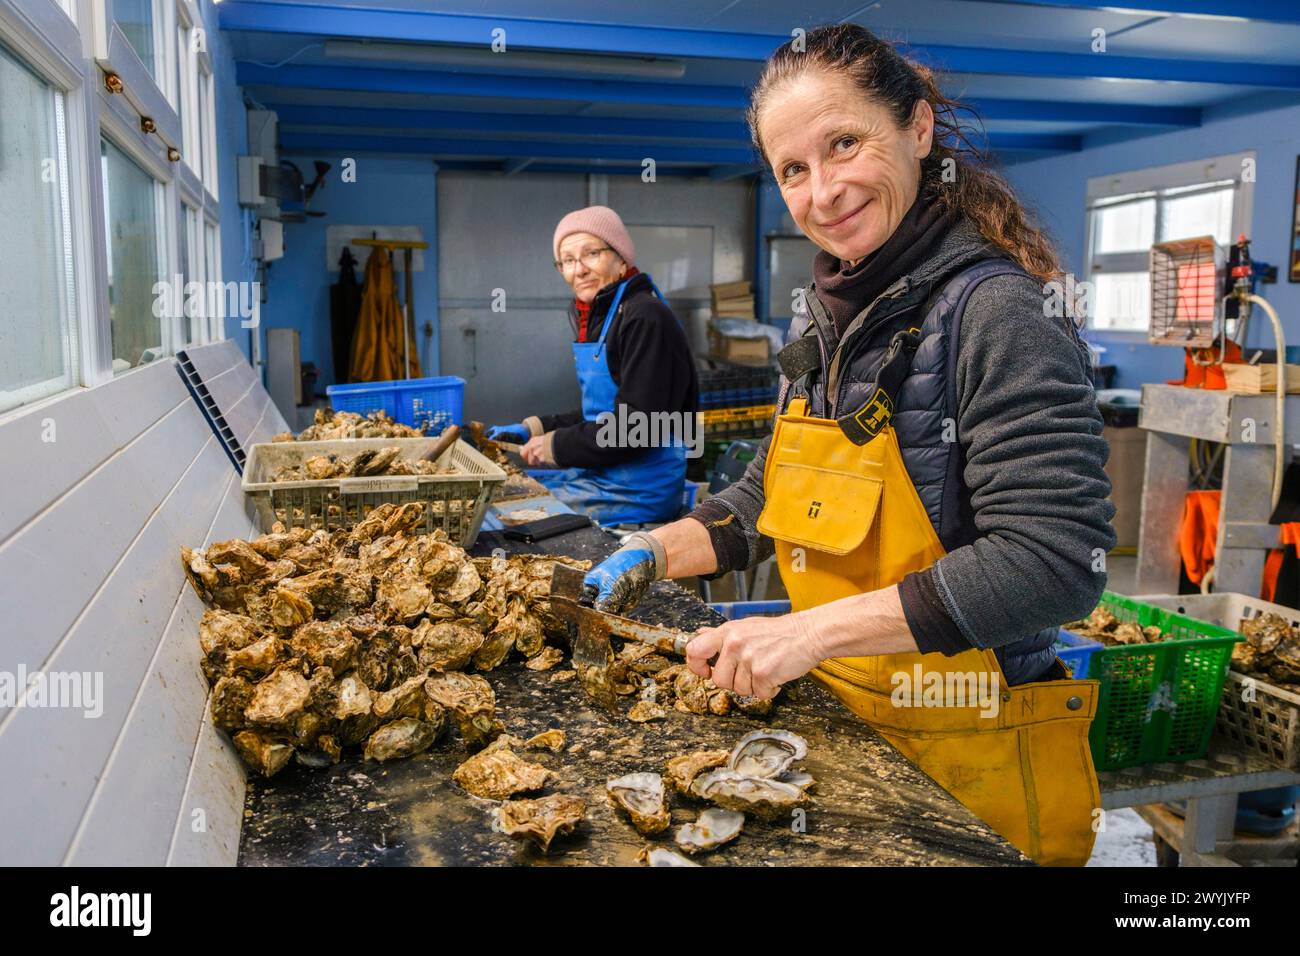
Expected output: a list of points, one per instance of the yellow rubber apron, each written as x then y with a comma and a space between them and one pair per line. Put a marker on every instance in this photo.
847, 519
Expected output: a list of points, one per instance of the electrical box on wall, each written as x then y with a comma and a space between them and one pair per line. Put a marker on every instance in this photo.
272, 239
250, 181
258, 170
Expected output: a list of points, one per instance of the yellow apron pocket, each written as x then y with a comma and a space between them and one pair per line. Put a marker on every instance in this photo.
817, 508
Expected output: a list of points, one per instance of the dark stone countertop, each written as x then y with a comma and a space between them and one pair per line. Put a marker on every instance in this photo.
870, 805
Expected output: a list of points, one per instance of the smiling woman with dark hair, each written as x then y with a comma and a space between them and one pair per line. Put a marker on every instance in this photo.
934, 490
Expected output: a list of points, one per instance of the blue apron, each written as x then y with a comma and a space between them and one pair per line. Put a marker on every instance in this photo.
647, 489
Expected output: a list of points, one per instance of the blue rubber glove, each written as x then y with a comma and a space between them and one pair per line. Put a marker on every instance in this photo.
621, 580
517, 433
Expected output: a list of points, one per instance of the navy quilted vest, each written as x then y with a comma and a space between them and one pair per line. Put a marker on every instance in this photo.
925, 416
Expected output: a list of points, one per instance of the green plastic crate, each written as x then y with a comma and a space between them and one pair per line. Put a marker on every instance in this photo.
1158, 701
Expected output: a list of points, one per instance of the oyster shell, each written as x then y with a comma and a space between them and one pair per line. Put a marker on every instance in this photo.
471, 702
641, 797
264, 754
682, 771
644, 711
327, 644
766, 798
545, 659
657, 856
552, 740
767, 753
713, 828
445, 646
543, 819
230, 698
278, 698
401, 738
498, 773
407, 699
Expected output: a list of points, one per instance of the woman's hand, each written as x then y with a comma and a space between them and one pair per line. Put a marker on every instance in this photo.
756, 655
535, 452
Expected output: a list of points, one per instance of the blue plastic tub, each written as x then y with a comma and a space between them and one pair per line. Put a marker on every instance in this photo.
431, 402
1076, 652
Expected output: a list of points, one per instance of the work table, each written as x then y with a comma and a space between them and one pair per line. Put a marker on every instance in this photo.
870, 805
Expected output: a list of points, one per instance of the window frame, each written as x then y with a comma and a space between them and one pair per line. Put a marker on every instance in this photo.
1160, 182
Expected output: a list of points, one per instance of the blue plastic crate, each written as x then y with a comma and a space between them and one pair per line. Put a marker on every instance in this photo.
1076, 652
432, 402
735, 610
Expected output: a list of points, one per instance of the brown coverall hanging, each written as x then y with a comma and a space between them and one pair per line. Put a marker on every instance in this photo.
378, 345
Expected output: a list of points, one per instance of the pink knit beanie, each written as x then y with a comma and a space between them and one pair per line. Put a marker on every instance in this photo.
603, 223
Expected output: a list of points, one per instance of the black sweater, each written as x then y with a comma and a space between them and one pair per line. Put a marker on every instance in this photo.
650, 362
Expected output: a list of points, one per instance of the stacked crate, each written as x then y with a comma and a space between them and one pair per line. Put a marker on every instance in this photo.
736, 402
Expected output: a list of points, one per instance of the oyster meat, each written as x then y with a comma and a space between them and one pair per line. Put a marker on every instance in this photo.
641, 797
713, 828
764, 797
767, 753
543, 819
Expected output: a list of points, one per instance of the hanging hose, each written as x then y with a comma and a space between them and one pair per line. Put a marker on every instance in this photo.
1279, 433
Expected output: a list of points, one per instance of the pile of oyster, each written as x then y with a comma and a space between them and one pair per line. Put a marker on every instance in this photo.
757, 777
660, 682
368, 463
1271, 650
1102, 625
318, 641
332, 426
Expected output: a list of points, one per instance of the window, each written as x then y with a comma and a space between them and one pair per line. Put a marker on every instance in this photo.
212, 269
37, 327
1129, 213
191, 246
139, 22
131, 214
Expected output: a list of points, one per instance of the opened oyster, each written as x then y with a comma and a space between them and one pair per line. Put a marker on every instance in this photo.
543, 819
641, 797
766, 798
658, 856
767, 753
713, 828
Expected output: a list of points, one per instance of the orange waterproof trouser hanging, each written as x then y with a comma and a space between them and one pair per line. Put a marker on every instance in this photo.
846, 520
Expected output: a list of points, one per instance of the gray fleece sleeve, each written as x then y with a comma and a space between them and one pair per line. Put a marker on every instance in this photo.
731, 517
1029, 426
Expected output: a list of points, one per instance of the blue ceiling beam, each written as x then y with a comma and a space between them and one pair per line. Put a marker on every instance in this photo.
627, 170
291, 140
1272, 11
432, 83
1113, 114
509, 122
341, 20
964, 59
521, 149
335, 20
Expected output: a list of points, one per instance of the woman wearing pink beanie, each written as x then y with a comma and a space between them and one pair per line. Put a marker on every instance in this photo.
633, 364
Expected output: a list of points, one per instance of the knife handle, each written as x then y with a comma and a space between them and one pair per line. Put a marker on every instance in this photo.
679, 647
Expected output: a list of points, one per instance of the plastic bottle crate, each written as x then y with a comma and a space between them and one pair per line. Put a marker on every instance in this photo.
432, 403
1158, 701
728, 386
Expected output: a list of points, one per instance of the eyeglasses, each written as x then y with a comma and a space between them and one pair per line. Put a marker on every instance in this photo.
589, 259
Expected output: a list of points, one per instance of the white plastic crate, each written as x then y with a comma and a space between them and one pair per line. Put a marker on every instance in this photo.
1270, 724
455, 502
